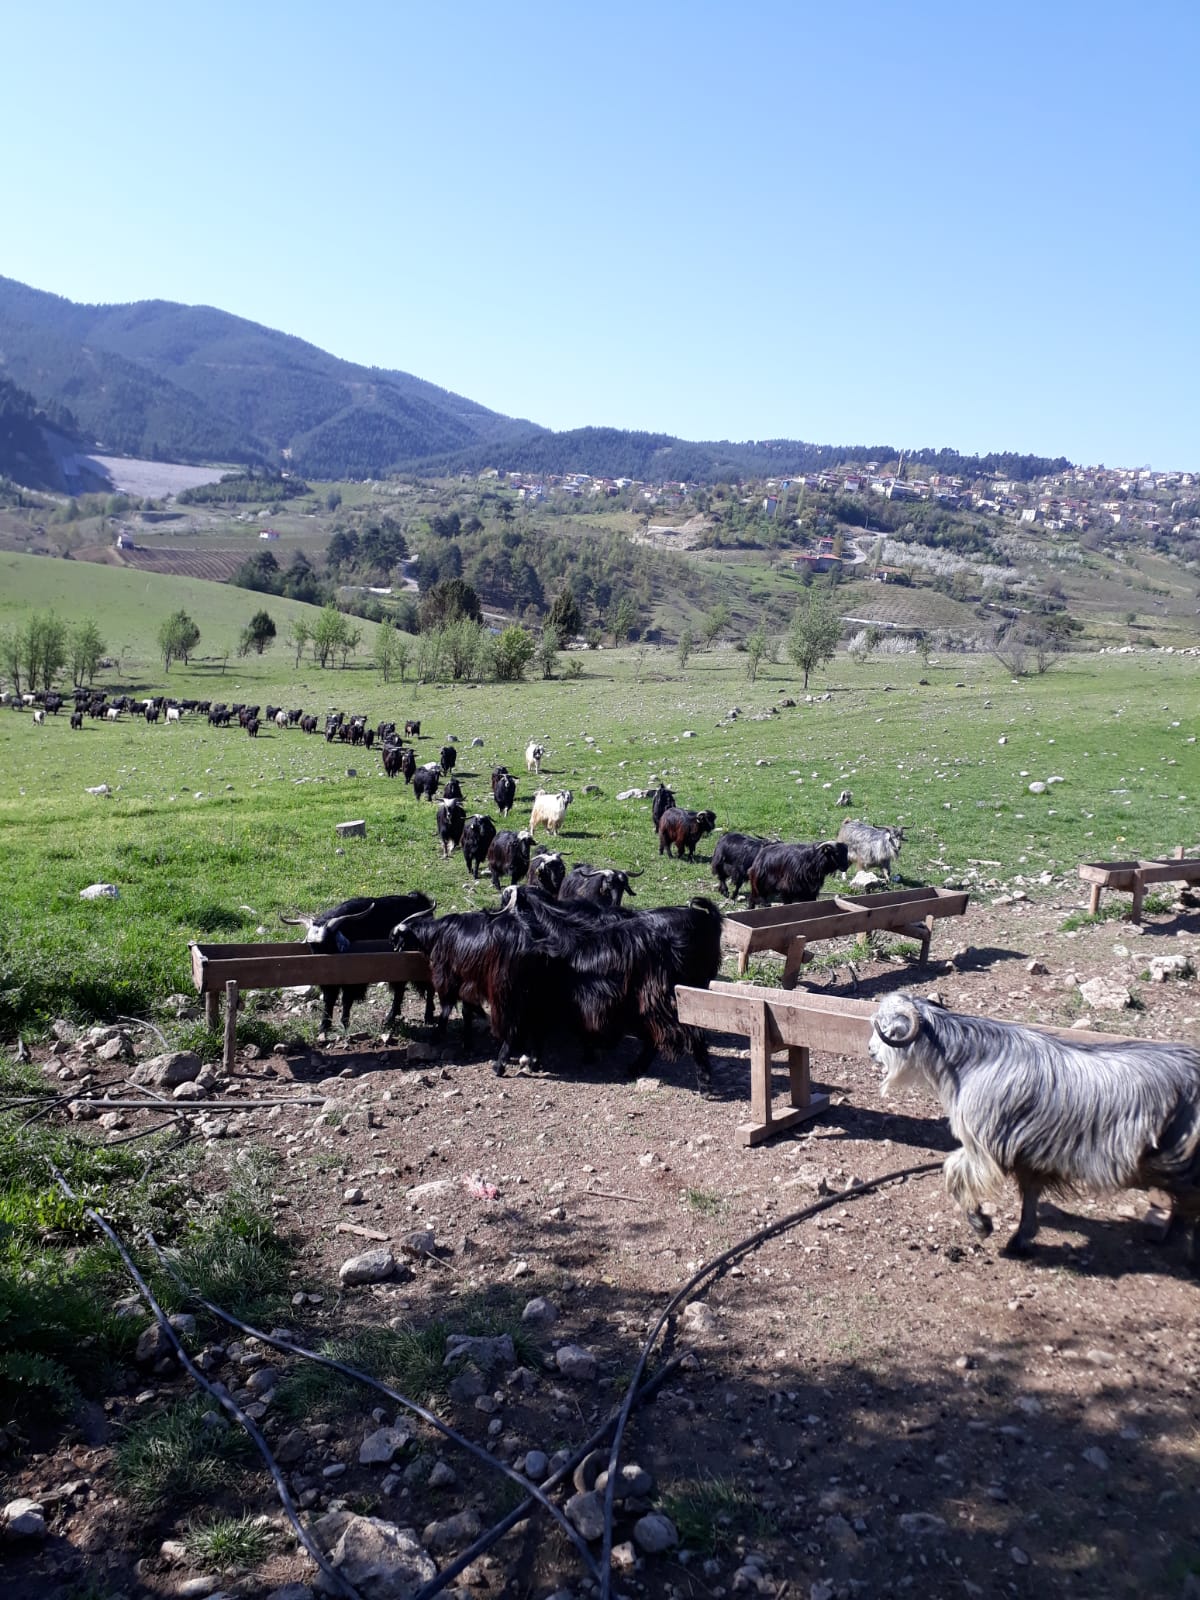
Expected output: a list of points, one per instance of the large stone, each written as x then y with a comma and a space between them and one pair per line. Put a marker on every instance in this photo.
1173, 966
921, 1524
453, 1533
573, 1361
100, 891
1102, 994
373, 1266
655, 1533
633, 1482
382, 1561
164, 1072
292, 1448
380, 1449
25, 1519
539, 1312
486, 1353
585, 1513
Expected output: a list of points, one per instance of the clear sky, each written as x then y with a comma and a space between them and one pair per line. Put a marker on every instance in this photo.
941, 223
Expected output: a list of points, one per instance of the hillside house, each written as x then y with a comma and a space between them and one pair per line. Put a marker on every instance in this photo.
269, 534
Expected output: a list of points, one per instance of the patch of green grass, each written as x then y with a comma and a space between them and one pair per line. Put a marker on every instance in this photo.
227, 1543
175, 1458
231, 1253
710, 1513
704, 1202
408, 1359
1114, 909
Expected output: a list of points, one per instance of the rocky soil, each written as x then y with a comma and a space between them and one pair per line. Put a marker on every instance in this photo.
870, 1404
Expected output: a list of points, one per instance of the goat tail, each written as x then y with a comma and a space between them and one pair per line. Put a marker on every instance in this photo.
971, 1176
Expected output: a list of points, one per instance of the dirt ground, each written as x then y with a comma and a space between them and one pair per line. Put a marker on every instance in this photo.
874, 1403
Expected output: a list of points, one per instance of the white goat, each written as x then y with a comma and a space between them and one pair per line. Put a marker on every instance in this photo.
534, 755
549, 810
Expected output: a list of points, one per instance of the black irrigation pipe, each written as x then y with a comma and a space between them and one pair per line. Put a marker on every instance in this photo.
415, 1406
711, 1267
223, 1398
494, 1534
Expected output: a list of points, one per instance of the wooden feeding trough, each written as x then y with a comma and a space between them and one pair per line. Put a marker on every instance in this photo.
227, 969
774, 1020
789, 930
1133, 876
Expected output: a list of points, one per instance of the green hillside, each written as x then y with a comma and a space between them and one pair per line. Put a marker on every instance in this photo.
193, 383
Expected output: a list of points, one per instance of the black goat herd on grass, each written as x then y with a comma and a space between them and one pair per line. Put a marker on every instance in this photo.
564, 957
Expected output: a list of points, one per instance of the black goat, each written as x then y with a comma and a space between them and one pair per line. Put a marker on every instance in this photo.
504, 789
509, 853
684, 830
732, 859
425, 782
354, 925
451, 820
604, 886
478, 833
662, 799
791, 872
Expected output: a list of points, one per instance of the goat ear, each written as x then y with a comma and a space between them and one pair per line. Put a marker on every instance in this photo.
903, 1025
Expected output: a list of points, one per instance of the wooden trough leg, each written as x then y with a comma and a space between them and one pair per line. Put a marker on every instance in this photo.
793, 962
1094, 899
212, 1010
231, 1011
765, 1123
926, 940
743, 962
1139, 894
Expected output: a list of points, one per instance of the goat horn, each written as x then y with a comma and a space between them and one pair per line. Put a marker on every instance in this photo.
640, 874
296, 922
351, 916
905, 1029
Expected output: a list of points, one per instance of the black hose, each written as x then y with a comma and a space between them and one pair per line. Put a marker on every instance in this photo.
709, 1267
392, 1394
226, 1401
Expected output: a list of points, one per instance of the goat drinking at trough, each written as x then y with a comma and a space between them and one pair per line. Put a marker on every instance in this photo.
869, 847
1049, 1111
356, 925
791, 872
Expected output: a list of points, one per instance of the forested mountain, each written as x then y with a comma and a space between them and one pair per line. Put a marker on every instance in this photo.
660, 458
191, 383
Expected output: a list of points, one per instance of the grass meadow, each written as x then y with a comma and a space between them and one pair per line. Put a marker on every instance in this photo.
208, 834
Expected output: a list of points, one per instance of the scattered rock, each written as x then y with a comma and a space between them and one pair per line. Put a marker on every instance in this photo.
633, 1483
1037, 969
486, 1353
25, 1519
1102, 994
1175, 966
443, 1476
921, 1524
382, 1561
379, 1449
167, 1071
351, 830
573, 1361
293, 1447
539, 1312
537, 1465
700, 1319
1095, 1457
373, 1266
655, 1533
452, 1532
585, 1512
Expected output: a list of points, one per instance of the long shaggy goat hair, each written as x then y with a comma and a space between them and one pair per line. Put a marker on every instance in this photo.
1048, 1111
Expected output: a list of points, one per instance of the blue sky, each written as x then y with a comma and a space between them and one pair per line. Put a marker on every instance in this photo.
940, 223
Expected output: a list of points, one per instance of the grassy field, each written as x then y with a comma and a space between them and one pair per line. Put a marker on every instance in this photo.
208, 834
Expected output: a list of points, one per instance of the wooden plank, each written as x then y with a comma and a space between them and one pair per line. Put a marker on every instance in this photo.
841, 918
212, 1010
752, 1133
1169, 871
298, 967
760, 1068
270, 947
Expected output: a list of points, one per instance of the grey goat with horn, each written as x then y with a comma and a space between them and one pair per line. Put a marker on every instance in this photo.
1048, 1111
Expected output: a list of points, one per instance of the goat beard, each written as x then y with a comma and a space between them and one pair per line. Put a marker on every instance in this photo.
901, 1068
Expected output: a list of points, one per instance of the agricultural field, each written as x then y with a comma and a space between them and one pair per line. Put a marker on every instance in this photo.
871, 1404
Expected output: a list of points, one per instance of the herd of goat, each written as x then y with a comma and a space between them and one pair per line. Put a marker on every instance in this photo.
564, 957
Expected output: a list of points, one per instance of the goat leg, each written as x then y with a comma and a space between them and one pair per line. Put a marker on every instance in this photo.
1021, 1242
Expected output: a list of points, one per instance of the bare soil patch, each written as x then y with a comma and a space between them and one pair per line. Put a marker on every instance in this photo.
878, 1405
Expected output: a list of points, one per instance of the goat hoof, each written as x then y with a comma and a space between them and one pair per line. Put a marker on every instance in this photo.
498, 1068
1019, 1246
